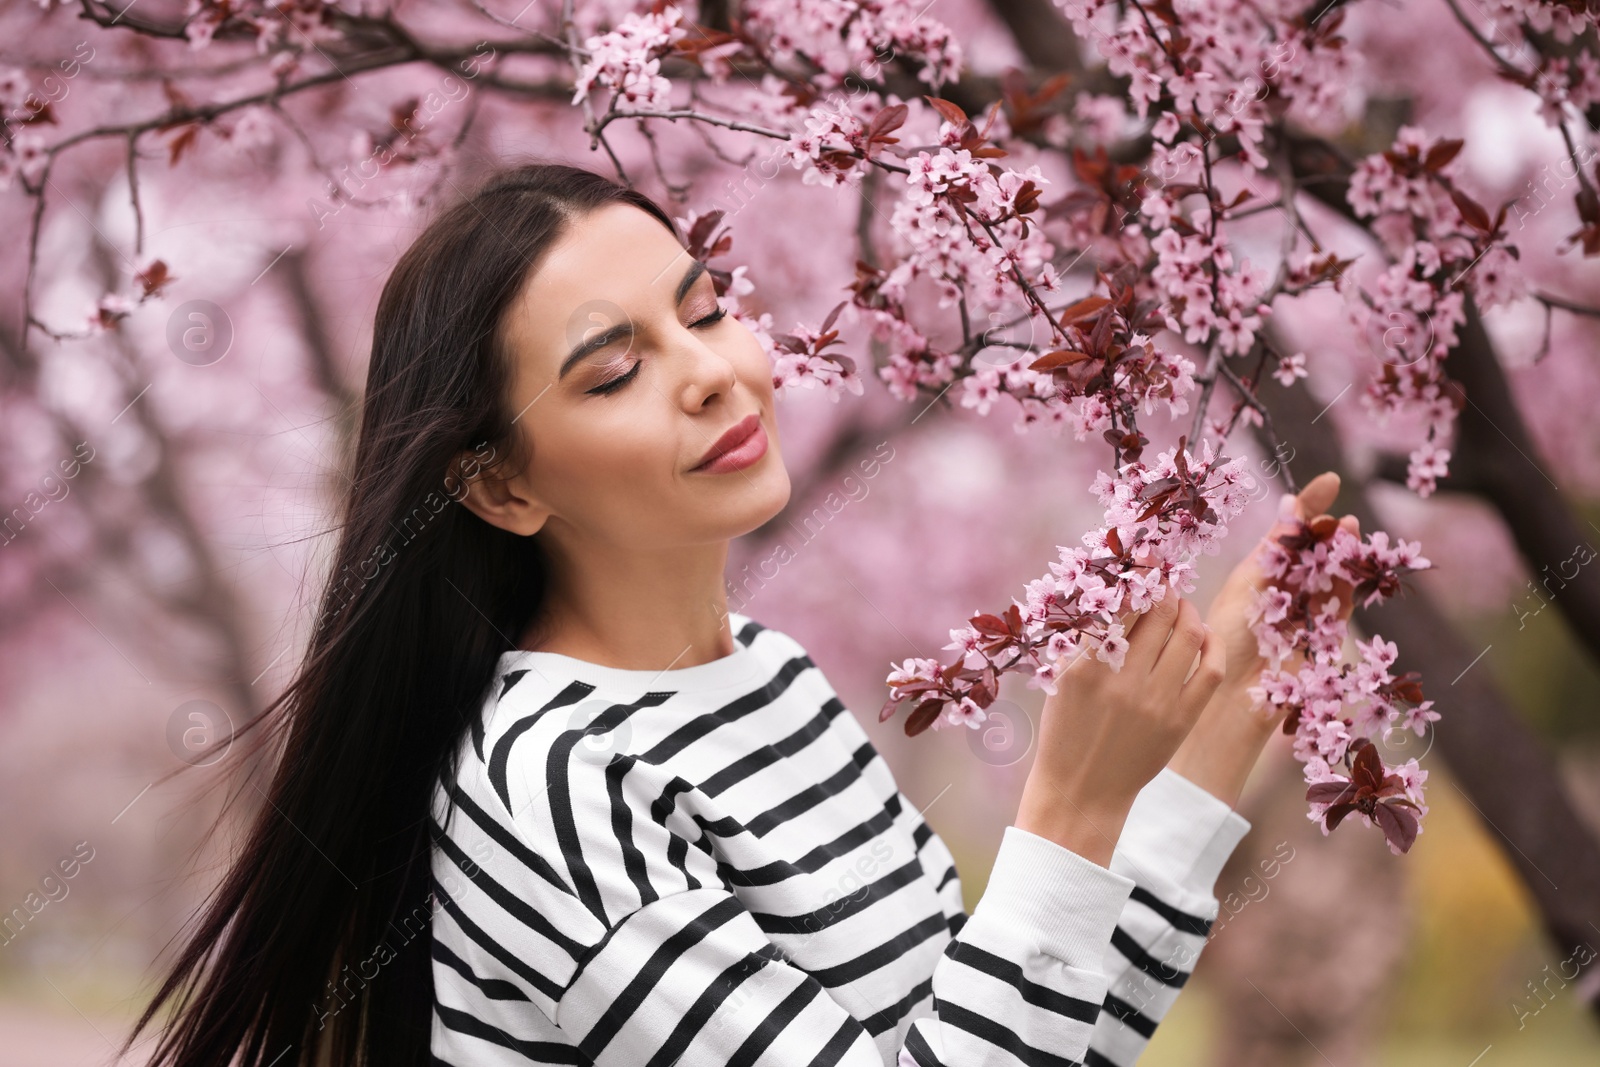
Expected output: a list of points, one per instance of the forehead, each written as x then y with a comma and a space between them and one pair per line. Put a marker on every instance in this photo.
613, 264
615, 253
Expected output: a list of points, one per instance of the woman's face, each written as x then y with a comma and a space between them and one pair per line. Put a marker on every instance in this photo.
627, 373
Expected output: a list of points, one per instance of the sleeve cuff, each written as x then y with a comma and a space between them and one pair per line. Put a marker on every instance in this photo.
1068, 903
1180, 832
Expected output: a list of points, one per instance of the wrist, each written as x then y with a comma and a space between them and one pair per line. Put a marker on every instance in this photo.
1222, 748
1086, 824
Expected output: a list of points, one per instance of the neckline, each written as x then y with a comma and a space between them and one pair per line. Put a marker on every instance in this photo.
737, 666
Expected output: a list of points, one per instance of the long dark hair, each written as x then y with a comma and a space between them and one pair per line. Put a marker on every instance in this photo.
423, 598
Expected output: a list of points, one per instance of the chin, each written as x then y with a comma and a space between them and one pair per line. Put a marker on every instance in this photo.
751, 506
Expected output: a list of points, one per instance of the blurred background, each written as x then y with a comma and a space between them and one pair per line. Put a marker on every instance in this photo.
173, 504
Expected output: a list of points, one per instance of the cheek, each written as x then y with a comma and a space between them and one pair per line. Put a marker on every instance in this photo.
603, 460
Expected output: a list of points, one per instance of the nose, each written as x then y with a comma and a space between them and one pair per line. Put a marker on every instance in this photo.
706, 374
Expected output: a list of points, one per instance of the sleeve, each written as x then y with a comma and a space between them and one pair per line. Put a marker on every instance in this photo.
670, 967
1174, 842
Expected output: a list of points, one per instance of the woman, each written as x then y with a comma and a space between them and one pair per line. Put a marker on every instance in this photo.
543, 799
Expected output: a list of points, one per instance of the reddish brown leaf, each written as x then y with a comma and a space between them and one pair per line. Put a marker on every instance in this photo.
986, 688
1441, 154
1337, 813
1331, 792
182, 143
1083, 309
1052, 88
890, 118
154, 278
1399, 826
990, 624
922, 716
827, 323
1471, 211
948, 111
1061, 357
1366, 768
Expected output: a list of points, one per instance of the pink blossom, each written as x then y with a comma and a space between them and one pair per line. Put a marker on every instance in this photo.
628, 59
1290, 368
1113, 647
964, 712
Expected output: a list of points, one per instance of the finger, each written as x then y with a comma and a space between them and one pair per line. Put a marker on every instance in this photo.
1318, 495
1126, 616
1177, 655
1209, 670
1150, 630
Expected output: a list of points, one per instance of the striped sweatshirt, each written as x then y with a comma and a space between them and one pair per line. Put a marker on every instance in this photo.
713, 865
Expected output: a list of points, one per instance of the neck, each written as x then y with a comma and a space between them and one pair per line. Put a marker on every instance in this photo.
659, 609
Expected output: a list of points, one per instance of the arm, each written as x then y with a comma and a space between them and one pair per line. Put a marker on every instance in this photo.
1173, 845
1182, 828
1175, 840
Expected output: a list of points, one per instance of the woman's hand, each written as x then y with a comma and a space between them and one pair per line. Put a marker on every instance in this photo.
1220, 751
1104, 734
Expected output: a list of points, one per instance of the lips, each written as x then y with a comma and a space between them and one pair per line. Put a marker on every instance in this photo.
731, 439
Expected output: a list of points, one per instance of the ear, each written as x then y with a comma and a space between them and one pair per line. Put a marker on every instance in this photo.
496, 497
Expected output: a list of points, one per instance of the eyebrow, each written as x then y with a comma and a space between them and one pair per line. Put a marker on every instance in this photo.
615, 333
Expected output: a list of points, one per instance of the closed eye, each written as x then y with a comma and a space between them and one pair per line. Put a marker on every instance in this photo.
713, 318
618, 382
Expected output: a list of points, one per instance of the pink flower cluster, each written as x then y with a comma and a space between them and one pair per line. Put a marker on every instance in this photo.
1216, 59
627, 59
802, 363
1335, 709
824, 153
1207, 71
285, 26
1566, 87
845, 36
1562, 21
1438, 238
962, 223
1195, 274
1158, 518
970, 225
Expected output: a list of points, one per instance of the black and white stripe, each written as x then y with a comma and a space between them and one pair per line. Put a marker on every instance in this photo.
738, 880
